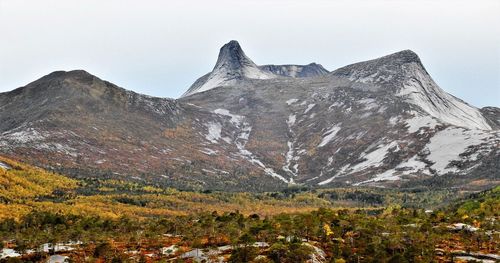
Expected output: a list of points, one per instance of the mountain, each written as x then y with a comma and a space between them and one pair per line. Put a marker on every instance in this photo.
80, 125
404, 74
234, 67
244, 127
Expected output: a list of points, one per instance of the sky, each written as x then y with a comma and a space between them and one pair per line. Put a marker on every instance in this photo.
160, 48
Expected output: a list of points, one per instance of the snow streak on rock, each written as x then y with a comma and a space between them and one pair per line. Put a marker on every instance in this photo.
374, 158
214, 132
421, 121
421, 91
329, 135
241, 140
289, 157
450, 145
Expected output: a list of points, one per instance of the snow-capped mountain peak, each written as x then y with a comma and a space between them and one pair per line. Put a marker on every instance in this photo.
233, 59
232, 66
404, 75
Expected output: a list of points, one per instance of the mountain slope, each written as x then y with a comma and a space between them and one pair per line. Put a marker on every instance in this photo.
80, 125
381, 122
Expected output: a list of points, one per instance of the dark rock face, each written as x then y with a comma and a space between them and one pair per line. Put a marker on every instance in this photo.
492, 114
245, 127
232, 58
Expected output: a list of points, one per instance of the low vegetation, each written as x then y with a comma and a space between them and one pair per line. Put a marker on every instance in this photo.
44, 213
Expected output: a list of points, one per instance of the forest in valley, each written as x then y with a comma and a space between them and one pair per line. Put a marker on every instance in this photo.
49, 217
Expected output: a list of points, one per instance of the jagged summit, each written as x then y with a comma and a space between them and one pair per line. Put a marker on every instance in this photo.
232, 66
404, 56
389, 65
232, 58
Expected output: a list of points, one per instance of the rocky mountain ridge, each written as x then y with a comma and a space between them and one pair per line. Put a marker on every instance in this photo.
234, 67
244, 127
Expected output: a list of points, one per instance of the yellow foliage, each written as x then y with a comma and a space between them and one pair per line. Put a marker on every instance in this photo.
25, 188
327, 229
24, 182
151, 189
13, 211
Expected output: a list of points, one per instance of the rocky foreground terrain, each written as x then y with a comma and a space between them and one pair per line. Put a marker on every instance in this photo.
242, 126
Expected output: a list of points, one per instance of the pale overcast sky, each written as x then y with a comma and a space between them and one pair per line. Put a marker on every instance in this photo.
161, 47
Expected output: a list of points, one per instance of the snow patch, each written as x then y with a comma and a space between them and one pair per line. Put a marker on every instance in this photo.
337, 104
256, 73
214, 131
309, 107
244, 129
208, 171
235, 119
101, 161
291, 120
208, 151
419, 121
338, 174
385, 176
291, 101
37, 139
394, 120
374, 158
329, 135
447, 145
24, 136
